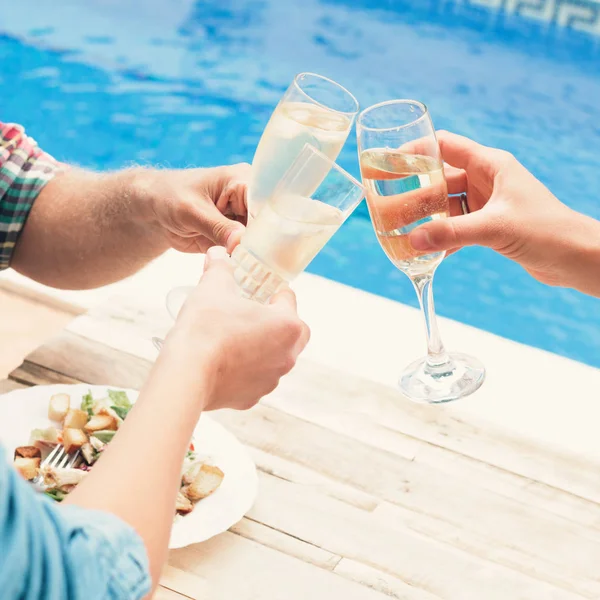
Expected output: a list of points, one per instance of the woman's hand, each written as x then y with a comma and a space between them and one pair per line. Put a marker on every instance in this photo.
516, 215
243, 347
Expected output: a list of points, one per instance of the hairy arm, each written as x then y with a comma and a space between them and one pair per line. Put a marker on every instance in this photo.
87, 229
75, 229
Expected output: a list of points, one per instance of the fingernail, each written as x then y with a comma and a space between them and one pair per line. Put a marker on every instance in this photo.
420, 240
216, 253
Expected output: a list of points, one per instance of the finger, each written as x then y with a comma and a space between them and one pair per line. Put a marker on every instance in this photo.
232, 200
206, 220
234, 239
303, 339
425, 146
285, 299
463, 153
189, 245
456, 179
455, 232
455, 206
218, 270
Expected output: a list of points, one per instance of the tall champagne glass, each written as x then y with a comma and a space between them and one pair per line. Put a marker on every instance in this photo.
314, 110
403, 174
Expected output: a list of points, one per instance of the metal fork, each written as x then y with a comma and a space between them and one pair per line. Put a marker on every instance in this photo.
57, 459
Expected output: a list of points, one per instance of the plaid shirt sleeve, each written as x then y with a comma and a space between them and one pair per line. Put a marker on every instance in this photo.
24, 171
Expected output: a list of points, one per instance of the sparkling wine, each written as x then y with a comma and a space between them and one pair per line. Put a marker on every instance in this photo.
292, 125
289, 232
403, 192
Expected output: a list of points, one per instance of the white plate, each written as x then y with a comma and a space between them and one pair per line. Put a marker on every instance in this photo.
27, 409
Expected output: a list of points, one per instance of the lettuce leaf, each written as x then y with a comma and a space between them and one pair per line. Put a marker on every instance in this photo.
122, 412
121, 404
119, 399
55, 494
87, 403
105, 435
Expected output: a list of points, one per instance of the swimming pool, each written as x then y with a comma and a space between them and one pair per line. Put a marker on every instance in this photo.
193, 83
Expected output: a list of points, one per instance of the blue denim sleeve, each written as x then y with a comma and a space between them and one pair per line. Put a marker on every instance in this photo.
52, 552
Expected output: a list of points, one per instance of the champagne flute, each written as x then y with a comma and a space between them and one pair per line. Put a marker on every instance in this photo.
314, 110
295, 224
403, 174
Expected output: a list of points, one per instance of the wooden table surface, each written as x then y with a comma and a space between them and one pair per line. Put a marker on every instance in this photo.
363, 494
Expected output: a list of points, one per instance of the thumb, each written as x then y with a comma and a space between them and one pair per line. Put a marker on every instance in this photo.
456, 232
218, 270
224, 231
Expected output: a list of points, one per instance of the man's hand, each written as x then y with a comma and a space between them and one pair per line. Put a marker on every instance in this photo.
516, 215
87, 229
195, 208
242, 347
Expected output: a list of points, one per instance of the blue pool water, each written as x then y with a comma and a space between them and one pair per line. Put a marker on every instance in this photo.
180, 83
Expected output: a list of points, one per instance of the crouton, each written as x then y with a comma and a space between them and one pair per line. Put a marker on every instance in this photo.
191, 473
206, 481
76, 419
107, 410
58, 407
183, 505
100, 423
27, 452
27, 467
73, 439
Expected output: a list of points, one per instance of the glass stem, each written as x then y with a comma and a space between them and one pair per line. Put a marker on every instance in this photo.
437, 359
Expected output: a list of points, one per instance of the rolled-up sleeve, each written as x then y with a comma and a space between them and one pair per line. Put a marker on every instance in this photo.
52, 552
24, 170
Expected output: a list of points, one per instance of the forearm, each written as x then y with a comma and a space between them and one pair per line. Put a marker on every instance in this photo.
139, 475
86, 230
581, 267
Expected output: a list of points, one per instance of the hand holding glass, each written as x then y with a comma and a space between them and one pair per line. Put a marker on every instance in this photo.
297, 221
403, 174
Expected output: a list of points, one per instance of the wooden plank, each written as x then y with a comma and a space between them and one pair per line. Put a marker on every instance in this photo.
500, 481
9, 385
420, 488
240, 569
91, 362
318, 393
185, 584
425, 558
381, 582
163, 593
563, 575
296, 473
124, 326
314, 391
292, 546
35, 295
30, 373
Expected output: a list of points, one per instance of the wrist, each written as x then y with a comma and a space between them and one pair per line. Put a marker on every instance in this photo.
140, 186
582, 265
192, 362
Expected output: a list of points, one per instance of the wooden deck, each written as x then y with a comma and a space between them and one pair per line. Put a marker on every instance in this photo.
363, 494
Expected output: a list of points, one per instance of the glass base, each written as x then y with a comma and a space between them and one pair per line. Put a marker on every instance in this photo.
257, 281
460, 376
